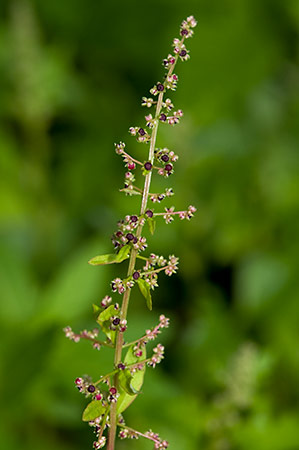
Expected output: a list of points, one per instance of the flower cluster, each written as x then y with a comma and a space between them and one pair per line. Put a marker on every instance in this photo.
159, 197
129, 433
89, 335
100, 443
170, 212
86, 387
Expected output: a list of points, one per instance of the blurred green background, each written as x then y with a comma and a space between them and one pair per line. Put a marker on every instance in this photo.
72, 74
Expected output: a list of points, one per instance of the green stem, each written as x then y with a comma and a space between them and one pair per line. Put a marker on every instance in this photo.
132, 261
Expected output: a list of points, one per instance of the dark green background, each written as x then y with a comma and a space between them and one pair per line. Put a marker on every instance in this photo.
72, 74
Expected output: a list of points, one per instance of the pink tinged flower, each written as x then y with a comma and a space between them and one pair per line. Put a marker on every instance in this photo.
96, 346
123, 434
168, 104
79, 381
192, 21
100, 443
133, 131
147, 102
131, 165
68, 332
164, 321
119, 148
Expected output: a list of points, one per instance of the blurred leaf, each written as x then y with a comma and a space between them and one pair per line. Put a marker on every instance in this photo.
70, 293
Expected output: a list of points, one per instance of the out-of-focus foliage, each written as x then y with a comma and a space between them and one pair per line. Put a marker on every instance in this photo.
72, 73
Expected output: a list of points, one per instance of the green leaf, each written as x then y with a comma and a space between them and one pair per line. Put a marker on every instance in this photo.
125, 381
111, 258
151, 225
145, 291
130, 191
135, 381
96, 308
93, 410
104, 322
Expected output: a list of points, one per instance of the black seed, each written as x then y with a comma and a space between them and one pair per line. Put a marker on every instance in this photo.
141, 131
160, 87
130, 236
183, 53
184, 32
148, 166
134, 218
163, 117
121, 366
135, 240
165, 158
91, 388
116, 321
136, 275
149, 213
168, 167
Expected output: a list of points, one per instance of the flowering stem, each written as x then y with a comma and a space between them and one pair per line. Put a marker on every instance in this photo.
137, 432
126, 297
154, 271
169, 213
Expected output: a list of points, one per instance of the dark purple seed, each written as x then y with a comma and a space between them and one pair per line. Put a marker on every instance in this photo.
136, 275
134, 218
113, 390
149, 213
116, 321
160, 87
165, 158
121, 366
183, 53
119, 234
163, 117
168, 167
130, 236
135, 240
91, 388
148, 166
184, 32
141, 131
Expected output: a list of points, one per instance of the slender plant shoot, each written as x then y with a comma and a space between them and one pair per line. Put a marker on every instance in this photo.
112, 393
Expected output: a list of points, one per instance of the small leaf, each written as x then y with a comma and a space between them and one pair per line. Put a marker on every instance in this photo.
93, 410
125, 380
111, 258
130, 191
104, 322
96, 308
151, 225
135, 384
145, 291
123, 253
